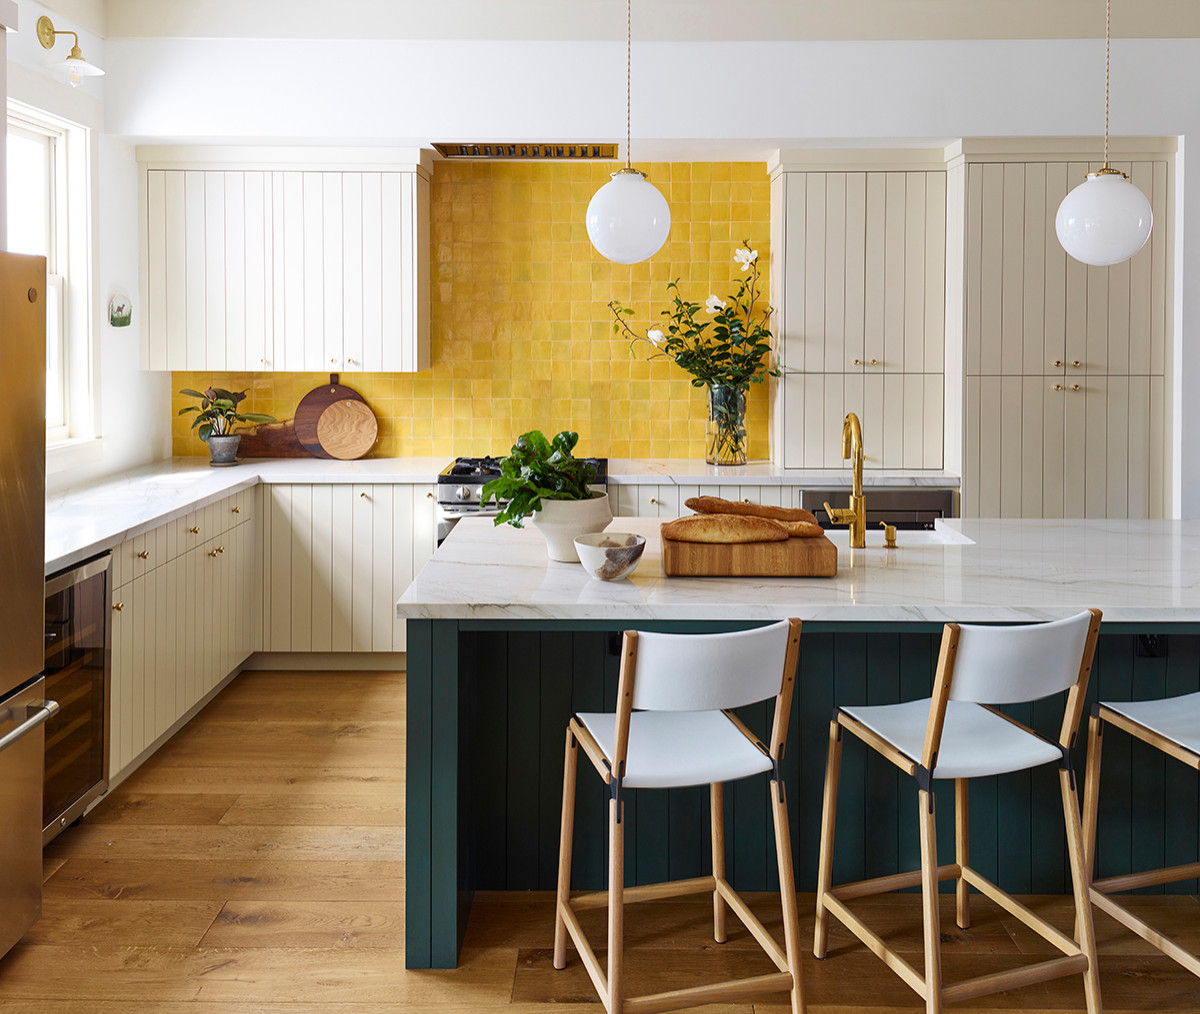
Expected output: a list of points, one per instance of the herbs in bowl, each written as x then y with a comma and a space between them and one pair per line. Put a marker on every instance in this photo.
541, 480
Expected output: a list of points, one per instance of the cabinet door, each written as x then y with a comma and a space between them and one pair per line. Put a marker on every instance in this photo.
121, 679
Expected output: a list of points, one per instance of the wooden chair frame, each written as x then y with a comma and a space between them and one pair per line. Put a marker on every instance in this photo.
611, 986
1100, 889
1079, 954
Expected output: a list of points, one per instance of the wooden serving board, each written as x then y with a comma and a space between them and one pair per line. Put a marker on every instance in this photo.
814, 557
310, 409
347, 429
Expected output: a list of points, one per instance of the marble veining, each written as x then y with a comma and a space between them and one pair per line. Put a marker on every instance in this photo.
1136, 571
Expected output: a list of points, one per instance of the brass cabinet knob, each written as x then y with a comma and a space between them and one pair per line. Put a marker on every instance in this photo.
351, 362
653, 500
118, 606
220, 549
1058, 362
364, 496
428, 496
1077, 364
333, 362
873, 362
212, 552
143, 555
263, 361
1074, 387
236, 510
1058, 387
194, 531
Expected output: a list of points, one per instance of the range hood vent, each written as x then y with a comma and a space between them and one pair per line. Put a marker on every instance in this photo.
525, 150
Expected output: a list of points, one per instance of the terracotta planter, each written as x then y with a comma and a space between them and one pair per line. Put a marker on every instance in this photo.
560, 521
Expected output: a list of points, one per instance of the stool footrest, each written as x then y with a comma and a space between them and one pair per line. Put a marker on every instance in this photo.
733, 989
590, 962
1147, 932
1013, 907
757, 930
647, 892
1055, 968
1150, 878
892, 882
876, 944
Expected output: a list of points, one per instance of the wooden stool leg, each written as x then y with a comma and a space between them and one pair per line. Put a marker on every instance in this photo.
962, 853
1085, 932
929, 902
1091, 794
616, 904
787, 890
833, 769
566, 836
717, 800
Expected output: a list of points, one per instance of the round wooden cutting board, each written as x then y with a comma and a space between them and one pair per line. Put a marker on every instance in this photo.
347, 429
308, 414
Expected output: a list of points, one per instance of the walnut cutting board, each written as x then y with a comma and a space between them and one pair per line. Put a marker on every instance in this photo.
815, 557
347, 429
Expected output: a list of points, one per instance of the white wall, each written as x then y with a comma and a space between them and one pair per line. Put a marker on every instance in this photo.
133, 417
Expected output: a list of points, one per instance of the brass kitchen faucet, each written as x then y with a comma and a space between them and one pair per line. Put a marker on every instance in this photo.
856, 514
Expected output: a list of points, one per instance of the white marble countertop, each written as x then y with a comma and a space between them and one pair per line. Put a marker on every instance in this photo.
696, 472
1135, 571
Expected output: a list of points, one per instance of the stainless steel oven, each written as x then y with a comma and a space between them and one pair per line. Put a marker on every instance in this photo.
77, 672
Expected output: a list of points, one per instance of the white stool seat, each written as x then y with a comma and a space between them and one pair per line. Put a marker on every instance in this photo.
1173, 718
673, 748
975, 742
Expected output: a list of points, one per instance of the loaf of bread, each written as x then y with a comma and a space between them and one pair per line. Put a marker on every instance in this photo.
715, 505
724, 528
801, 529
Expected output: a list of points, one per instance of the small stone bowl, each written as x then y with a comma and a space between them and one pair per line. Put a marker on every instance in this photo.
610, 556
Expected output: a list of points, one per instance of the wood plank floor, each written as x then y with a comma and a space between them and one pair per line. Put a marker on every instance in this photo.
256, 865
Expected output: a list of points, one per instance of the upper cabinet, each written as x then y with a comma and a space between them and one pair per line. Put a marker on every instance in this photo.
285, 259
858, 248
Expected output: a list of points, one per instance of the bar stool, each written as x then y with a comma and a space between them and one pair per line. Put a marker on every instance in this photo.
1173, 726
672, 727
958, 734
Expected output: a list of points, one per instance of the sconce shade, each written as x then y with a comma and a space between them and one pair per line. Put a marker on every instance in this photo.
628, 219
1105, 220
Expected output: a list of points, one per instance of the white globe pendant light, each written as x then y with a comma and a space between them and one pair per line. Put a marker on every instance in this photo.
1106, 219
628, 219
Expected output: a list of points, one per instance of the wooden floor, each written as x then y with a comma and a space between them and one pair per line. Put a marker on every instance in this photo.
256, 865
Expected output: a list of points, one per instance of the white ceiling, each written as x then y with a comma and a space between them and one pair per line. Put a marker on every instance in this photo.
653, 20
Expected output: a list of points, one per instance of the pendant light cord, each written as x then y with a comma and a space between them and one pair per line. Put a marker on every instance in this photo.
629, 80
1107, 61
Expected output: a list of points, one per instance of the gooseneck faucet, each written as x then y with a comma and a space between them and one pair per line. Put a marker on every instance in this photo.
856, 514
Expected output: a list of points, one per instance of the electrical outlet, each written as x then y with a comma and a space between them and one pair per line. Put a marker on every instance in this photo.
1151, 646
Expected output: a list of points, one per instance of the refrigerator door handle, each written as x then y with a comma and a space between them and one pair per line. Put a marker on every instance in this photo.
35, 714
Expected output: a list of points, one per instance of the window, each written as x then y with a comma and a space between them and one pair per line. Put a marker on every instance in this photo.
39, 223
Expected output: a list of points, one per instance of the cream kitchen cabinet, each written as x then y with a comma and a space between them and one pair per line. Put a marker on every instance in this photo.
184, 618
858, 285
267, 259
336, 558
667, 500
1064, 390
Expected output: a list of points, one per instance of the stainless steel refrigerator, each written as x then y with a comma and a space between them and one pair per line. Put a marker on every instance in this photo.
23, 708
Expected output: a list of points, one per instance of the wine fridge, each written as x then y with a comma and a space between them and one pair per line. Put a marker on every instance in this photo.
77, 674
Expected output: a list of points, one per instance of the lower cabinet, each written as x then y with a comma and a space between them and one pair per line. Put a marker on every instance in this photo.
178, 629
668, 500
335, 559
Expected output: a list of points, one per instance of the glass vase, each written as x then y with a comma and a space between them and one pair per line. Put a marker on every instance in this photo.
725, 433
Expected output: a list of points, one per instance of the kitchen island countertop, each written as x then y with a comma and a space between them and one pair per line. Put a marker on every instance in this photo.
977, 570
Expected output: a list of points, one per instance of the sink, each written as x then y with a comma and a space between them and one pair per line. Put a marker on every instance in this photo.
840, 537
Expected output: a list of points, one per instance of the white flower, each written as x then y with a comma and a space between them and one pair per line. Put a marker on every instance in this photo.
655, 337
745, 257
714, 304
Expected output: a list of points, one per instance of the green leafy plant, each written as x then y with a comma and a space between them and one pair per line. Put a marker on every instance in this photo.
538, 469
217, 412
731, 349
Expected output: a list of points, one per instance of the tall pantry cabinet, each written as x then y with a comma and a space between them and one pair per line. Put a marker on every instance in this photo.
1062, 385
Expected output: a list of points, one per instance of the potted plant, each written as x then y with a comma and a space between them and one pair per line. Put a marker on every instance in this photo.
215, 416
725, 360
540, 479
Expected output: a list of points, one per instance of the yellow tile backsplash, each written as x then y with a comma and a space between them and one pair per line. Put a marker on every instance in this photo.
520, 332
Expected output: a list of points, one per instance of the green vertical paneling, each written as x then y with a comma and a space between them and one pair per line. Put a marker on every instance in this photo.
1181, 825
524, 754
1114, 837
491, 692
882, 781
1048, 863
688, 833
1148, 768
851, 687
748, 799
918, 658
1013, 800
446, 924
418, 815
587, 694
813, 709
555, 711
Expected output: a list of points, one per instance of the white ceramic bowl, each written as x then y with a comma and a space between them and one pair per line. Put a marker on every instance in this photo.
610, 556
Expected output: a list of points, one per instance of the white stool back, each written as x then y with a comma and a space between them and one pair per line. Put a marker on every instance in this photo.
709, 672
1011, 665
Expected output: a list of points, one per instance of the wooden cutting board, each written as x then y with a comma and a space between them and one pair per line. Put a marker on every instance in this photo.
310, 409
347, 429
815, 557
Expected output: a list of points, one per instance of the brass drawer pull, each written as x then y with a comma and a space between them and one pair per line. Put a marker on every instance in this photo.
1058, 362
118, 606
143, 555
653, 500
364, 496
220, 549
1074, 387
236, 510
1058, 387
1077, 364
428, 496
212, 552
873, 362
194, 531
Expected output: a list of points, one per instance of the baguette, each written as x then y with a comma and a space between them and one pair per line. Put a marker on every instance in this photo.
724, 528
715, 505
801, 529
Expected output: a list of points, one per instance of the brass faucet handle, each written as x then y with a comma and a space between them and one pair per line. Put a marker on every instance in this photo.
840, 515
889, 534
